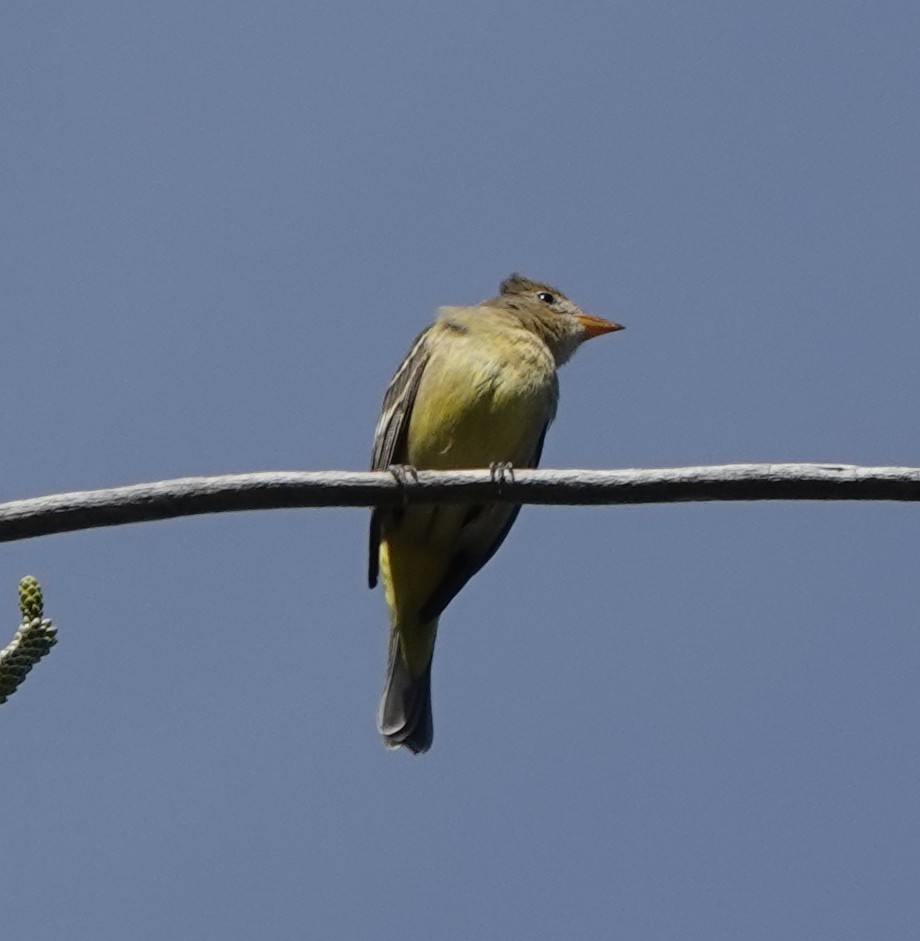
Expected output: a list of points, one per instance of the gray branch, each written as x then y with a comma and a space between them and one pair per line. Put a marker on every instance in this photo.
189, 496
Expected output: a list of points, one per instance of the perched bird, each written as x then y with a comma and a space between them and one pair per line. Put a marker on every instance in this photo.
478, 388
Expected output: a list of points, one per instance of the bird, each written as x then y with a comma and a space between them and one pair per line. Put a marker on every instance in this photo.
477, 389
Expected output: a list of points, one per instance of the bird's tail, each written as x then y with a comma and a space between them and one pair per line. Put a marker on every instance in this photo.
404, 717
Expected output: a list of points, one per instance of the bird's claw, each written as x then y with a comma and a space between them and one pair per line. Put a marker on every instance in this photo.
501, 472
404, 475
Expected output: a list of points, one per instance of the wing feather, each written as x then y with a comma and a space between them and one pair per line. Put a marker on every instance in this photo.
392, 428
485, 532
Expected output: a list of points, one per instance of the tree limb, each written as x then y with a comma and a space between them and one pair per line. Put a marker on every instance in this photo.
189, 496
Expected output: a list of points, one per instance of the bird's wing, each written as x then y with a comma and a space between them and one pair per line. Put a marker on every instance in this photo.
390, 435
483, 530
392, 428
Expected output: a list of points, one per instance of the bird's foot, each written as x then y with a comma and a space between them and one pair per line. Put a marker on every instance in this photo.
501, 472
405, 475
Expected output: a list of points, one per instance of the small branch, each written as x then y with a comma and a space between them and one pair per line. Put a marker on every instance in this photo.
189, 496
35, 637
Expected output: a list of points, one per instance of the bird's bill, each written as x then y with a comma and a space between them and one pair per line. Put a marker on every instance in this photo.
595, 326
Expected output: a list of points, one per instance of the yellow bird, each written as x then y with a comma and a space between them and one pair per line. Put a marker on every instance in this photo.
478, 388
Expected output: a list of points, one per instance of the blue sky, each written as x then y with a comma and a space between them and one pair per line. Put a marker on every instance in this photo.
223, 224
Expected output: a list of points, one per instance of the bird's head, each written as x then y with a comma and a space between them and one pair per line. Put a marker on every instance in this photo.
545, 310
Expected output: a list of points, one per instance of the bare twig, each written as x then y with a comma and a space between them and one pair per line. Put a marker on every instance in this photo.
189, 496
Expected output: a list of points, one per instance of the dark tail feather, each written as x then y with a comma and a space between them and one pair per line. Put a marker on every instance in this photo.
404, 717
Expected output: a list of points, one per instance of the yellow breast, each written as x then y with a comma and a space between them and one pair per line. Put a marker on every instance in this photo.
486, 396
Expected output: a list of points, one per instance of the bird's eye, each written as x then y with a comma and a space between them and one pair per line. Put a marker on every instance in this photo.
546, 297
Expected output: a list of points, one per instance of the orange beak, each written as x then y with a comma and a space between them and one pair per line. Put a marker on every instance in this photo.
595, 326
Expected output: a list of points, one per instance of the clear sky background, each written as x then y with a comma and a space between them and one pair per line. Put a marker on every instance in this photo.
222, 225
